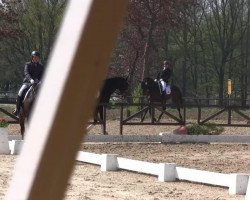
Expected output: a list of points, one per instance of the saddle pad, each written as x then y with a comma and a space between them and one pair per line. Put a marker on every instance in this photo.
168, 89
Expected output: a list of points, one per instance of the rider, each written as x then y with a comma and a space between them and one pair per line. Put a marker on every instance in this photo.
164, 76
33, 72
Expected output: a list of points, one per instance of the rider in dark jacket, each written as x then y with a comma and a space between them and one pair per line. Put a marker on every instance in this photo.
164, 75
33, 72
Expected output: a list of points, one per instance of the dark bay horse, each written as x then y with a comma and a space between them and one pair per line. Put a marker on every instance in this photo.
151, 89
26, 107
110, 85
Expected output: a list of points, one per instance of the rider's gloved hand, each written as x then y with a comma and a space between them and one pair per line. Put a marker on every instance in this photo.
32, 81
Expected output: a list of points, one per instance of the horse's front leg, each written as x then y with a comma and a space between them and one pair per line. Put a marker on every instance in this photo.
97, 111
21, 122
144, 115
101, 112
95, 115
152, 114
22, 132
162, 112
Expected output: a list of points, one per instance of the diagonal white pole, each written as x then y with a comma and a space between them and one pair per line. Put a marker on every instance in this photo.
77, 66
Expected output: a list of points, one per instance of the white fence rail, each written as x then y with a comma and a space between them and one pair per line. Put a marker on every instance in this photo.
237, 183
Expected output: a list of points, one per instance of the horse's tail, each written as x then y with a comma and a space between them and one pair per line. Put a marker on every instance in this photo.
178, 94
181, 100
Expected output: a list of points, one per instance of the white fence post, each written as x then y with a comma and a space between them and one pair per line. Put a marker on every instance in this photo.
4, 142
248, 190
109, 162
238, 183
15, 146
167, 172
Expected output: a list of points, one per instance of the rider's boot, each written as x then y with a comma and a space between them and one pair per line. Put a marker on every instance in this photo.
18, 106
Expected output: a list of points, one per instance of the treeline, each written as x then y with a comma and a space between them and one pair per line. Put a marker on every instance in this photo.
207, 42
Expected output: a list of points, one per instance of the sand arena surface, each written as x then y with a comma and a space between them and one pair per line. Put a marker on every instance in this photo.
88, 182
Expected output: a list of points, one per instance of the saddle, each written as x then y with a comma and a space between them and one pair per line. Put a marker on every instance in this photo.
26, 92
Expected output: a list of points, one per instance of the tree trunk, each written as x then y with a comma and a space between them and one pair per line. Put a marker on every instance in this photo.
145, 66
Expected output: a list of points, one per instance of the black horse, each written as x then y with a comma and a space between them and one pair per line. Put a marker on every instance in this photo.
152, 89
27, 105
110, 85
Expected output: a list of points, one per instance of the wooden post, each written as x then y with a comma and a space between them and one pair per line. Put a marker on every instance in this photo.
121, 119
104, 119
75, 72
199, 112
184, 112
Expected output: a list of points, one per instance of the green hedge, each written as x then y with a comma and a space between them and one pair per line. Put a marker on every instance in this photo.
206, 129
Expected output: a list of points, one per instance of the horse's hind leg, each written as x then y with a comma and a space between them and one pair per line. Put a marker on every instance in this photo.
164, 107
179, 106
160, 116
177, 100
180, 116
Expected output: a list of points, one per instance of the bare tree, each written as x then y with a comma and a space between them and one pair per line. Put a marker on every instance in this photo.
222, 26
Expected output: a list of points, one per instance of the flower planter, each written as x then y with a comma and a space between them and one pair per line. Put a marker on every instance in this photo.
4, 142
181, 131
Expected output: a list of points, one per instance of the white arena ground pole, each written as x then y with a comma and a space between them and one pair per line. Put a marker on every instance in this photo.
237, 183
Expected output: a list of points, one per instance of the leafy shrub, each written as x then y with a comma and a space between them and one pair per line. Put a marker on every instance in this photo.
205, 129
3, 123
136, 93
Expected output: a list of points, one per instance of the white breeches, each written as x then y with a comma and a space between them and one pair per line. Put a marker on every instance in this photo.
165, 87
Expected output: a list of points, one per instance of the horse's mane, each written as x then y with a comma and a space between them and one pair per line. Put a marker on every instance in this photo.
109, 86
148, 79
110, 83
151, 83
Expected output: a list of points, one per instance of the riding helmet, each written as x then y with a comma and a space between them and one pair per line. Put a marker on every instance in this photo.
35, 53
